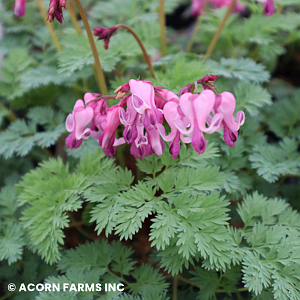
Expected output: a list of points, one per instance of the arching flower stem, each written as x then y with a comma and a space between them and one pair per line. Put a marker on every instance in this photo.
106, 97
215, 39
158, 95
211, 88
99, 71
146, 56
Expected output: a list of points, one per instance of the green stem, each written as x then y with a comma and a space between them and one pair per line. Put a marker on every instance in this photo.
120, 157
195, 32
199, 286
10, 114
72, 14
188, 281
159, 96
117, 73
48, 24
279, 10
196, 29
75, 224
175, 281
238, 294
121, 278
7, 295
213, 89
254, 53
47, 152
99, 71
162, 19
245, 289
85, 83
139, 174
146, 56
214, 41
105, 97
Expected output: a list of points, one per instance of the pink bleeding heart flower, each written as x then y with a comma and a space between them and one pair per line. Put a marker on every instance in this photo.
155, 141
144, 103
141, 150
197, 6
162, 96
142, 95
147, 141
19, 8
269, 7
71, 142
100, 108
107, 137
141, 119
189, 88
100, 115
122, 90
231, 127
105, 34
140, 143
208, 81
76, 123
197, 109
172, 113
128, 119
55, 10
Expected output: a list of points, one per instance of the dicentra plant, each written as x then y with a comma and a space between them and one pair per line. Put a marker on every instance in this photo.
179, 174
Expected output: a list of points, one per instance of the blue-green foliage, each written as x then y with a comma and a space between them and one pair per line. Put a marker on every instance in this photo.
272, 161
22, 135
17, 63
45, 211
76, 58
95, 263
243, 69
284, 118
11, 234
271, 254
251, 97
182, 69
222, 222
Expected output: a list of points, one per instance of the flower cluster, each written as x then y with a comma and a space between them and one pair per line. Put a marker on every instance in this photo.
142, 110
198, 5
54, 11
